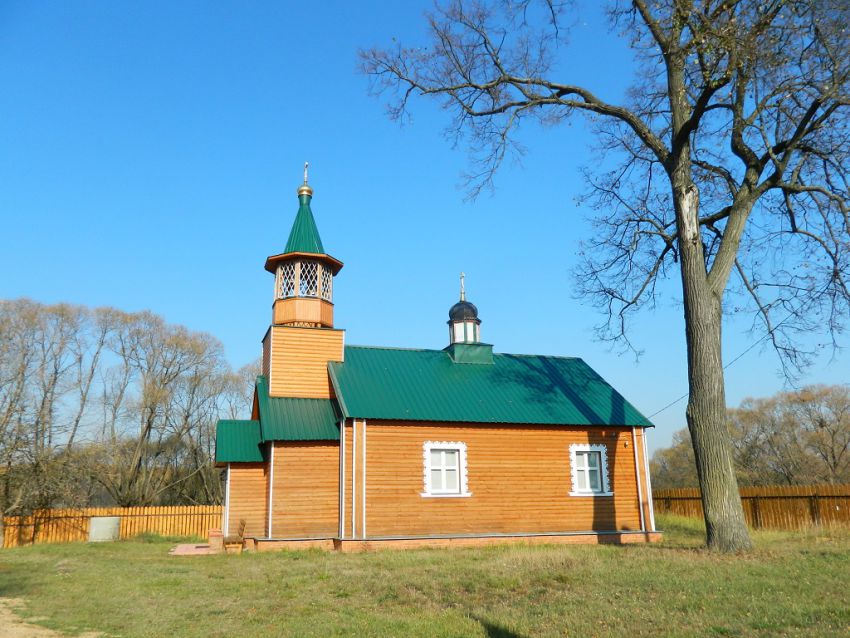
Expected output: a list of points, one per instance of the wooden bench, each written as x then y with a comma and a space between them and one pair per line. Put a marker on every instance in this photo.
234, 542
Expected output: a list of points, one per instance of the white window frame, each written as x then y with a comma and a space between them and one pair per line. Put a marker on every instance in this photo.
603, 459
463, 485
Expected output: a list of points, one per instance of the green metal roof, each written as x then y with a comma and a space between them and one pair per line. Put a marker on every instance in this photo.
304, 236
431, 385
426, 385
290, 419
238, 442
281, 419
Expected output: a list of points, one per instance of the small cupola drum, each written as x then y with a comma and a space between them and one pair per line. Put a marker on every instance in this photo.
464, 324
304, 272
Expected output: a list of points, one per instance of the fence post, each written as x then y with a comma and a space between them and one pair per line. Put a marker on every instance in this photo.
814, 510
756, 513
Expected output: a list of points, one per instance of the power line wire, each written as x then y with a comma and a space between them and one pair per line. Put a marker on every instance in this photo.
753, 345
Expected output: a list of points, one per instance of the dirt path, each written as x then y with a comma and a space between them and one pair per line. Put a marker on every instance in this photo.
11, 625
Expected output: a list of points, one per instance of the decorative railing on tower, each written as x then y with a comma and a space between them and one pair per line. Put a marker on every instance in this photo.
304, 278
327, 284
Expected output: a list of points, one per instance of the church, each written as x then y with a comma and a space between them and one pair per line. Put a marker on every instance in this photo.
359, 447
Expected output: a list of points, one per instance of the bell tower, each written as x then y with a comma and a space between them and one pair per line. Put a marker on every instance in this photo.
304, 272
301, 339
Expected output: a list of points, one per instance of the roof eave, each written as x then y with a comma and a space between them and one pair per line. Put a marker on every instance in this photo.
408, 419
273, 260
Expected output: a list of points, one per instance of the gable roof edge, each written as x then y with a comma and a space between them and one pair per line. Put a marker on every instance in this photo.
340, 399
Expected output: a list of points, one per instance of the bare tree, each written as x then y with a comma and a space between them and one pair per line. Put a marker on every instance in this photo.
102, 406
16, 328
823, 415
731, 156
768, 448
792, 438
179, 378
48, 359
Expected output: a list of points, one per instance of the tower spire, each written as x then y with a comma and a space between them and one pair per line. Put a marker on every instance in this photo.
305, 189
462, 290
304, 272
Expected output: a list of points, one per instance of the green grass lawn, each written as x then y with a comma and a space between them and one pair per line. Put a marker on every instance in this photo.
794, 584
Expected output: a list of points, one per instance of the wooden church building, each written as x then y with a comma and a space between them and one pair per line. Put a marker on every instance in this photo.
355, 447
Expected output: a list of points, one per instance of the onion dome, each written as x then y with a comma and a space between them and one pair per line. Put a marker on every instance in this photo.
464, 324
463, 311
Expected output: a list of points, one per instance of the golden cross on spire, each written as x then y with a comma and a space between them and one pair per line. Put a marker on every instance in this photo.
462, 290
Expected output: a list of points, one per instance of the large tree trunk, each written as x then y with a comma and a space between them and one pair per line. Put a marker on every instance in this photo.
726, 528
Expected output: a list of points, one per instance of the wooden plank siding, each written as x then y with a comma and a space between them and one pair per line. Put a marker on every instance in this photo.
299, 361
519, 478
267, 353
348, 521
305, 494
248, 498
72, 525
303, 309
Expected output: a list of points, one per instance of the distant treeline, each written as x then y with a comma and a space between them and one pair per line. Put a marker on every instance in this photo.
792, 438
104, 407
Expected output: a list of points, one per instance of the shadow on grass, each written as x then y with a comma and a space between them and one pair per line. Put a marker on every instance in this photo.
15, 582
680, 532
494, 630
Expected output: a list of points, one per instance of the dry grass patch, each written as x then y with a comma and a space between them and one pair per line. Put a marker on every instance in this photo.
794, 584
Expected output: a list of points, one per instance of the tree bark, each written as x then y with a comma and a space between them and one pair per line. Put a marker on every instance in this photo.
726, 528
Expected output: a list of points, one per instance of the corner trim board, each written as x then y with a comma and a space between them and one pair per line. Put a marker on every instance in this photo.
639, 486
363, 523
342, 479
226, 523
271, 487
271, 356
648, 484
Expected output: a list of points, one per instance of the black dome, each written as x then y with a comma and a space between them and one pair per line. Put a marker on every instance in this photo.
463, 311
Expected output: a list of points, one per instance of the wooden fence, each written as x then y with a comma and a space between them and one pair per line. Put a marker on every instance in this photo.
69, 525
773, 507
765, 507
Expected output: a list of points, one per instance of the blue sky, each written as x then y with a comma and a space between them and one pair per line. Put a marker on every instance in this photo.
150, 152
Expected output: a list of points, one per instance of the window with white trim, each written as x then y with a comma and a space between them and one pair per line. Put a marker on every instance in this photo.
589, 470
445, 469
